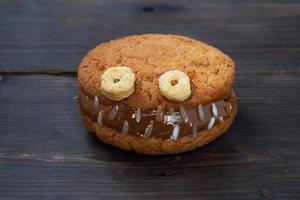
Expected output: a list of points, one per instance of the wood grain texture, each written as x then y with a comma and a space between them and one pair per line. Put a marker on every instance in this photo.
40, 35
45, 152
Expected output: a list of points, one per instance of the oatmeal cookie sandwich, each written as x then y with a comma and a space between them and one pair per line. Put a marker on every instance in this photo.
156, 94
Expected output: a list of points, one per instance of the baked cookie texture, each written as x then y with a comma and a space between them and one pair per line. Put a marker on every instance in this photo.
211, 72
211, 75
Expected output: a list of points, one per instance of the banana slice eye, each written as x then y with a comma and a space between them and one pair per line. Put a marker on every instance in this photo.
175, 85
117, 83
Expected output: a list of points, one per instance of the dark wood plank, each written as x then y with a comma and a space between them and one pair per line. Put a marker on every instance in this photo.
45, 152
55, 35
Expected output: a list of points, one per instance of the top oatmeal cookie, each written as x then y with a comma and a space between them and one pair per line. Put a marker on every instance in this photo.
149, 56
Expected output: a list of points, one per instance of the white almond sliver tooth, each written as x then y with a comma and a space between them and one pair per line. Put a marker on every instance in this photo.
195, 130
211, 123
96, 102
113, 113
214, 110
184, 114
229, 105
99, 118
175, 132
165, 118
138, 115
221, 119
125, 127
148, 130
159, 114
201, 112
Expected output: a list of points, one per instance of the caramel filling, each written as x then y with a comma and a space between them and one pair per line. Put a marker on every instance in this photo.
158, 123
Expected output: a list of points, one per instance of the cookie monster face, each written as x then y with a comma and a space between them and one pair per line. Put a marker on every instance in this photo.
118, 83
155, 89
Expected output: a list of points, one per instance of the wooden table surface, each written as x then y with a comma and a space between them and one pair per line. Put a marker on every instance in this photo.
46, 152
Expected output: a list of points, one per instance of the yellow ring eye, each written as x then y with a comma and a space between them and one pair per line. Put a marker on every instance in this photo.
175, 85
117, 83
